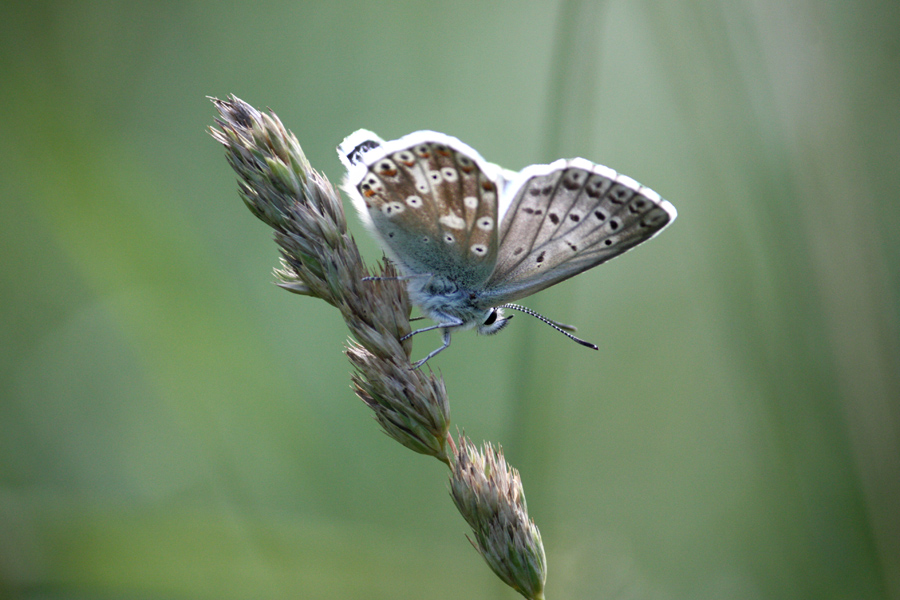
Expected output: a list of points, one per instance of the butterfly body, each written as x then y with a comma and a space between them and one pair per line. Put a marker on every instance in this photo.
444, 301
470, 237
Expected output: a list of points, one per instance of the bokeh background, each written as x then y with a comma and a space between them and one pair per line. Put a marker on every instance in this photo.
172, 425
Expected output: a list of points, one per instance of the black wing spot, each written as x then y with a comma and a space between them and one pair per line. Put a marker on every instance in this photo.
608, 242
599, 214
574, 218
518, 251
614, 224
540, 257
553, 218
528, 211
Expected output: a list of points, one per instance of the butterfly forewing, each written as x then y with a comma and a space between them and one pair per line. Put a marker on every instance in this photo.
532, 219
435, 208
566, 218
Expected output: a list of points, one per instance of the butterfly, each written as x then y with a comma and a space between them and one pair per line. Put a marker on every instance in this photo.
470, 237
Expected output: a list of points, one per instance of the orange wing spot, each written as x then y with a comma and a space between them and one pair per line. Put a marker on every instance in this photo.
409, 163
487, 186
389, 172
443, 152
369, 193
466, 168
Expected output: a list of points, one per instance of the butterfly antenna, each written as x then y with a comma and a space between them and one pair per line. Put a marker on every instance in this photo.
557, 326
395, 277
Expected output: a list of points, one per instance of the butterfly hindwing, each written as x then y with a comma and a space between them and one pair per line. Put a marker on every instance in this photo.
567, 217
433, 202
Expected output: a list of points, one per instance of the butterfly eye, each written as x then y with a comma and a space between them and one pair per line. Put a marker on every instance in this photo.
493, 322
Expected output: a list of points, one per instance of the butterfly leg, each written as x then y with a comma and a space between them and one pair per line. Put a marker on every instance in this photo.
423, 330
446, 345
448, 322
397, 278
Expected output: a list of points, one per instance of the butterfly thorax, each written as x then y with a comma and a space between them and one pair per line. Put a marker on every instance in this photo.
444, 301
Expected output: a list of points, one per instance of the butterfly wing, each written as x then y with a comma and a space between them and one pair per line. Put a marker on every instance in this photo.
430, 199
567, 217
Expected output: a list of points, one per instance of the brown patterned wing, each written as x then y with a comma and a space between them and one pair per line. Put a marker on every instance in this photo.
432, 201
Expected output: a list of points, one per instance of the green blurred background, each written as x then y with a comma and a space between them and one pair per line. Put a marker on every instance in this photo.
174, 426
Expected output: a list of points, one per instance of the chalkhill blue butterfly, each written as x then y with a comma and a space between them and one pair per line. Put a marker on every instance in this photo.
470, 237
